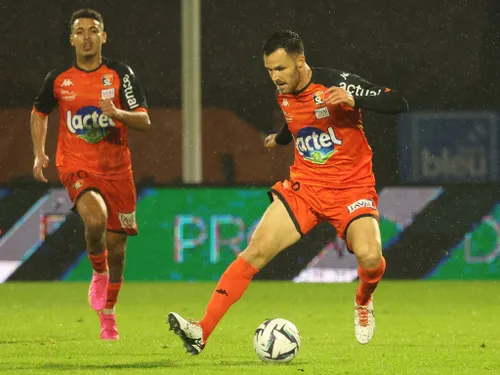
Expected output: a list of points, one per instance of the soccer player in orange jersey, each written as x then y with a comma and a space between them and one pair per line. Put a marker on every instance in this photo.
99, 101
331, 180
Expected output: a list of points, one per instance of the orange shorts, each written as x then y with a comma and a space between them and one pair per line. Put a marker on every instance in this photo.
119, 195
310, 205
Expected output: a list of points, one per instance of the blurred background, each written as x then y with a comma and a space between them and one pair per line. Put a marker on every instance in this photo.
436, 166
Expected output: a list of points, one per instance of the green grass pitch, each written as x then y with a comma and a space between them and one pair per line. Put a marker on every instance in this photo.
424, 327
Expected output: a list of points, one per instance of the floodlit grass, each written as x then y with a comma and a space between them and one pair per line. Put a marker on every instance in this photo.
447, 328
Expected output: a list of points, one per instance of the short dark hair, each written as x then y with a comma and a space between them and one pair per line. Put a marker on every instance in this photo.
86, 13
286, 39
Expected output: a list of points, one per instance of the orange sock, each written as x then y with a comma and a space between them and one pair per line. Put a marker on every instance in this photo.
100, 261
368, 280
232, 284
113, 290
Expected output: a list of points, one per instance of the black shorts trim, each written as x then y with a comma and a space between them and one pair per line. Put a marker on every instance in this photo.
287, 206
83, 192
350, 222
121, 232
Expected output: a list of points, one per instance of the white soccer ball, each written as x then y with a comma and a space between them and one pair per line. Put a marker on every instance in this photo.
276, 340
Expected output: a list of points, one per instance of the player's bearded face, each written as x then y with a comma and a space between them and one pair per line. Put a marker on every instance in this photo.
87, 36
283, 71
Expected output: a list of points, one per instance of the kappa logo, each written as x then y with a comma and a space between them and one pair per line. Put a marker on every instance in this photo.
319, 97
107, 79
285, 103
360, 204
127, 221
67, 82
345, 75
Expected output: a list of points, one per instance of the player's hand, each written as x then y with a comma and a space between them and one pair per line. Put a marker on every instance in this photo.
108, 108
337, 95
41, 161
270, 142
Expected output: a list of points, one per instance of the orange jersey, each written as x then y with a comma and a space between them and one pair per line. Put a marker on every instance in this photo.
89, 140
331, 148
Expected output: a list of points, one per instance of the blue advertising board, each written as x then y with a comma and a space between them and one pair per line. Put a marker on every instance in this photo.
448, 147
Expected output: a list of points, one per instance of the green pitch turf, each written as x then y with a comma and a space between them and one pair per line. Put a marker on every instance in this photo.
447, 328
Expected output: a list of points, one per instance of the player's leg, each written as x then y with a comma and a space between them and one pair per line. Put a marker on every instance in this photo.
92, 209
116, 244
121, 201
275, 232
363, 238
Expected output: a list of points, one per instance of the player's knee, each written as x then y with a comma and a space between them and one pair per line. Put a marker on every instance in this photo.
369, 254
259, 251
95, 225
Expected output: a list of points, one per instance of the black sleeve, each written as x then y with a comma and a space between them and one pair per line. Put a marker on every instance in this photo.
131, 93
284, 136
45, 100
375, 98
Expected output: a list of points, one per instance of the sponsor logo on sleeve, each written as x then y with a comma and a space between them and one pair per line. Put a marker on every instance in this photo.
357, 90
129, 92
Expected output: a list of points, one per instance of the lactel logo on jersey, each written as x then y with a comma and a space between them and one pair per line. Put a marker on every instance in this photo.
315, 145
449, 147
129, 92
89, 123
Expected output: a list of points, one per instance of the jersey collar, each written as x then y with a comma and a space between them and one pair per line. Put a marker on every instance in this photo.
89, 71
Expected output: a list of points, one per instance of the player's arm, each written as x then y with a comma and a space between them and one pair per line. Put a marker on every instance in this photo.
44, 104
356, 92
138, 119
134, 114
282, 138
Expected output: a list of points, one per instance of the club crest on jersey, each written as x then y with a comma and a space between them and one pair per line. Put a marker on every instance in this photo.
315, 145
89, 124
107, 79
319, 97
